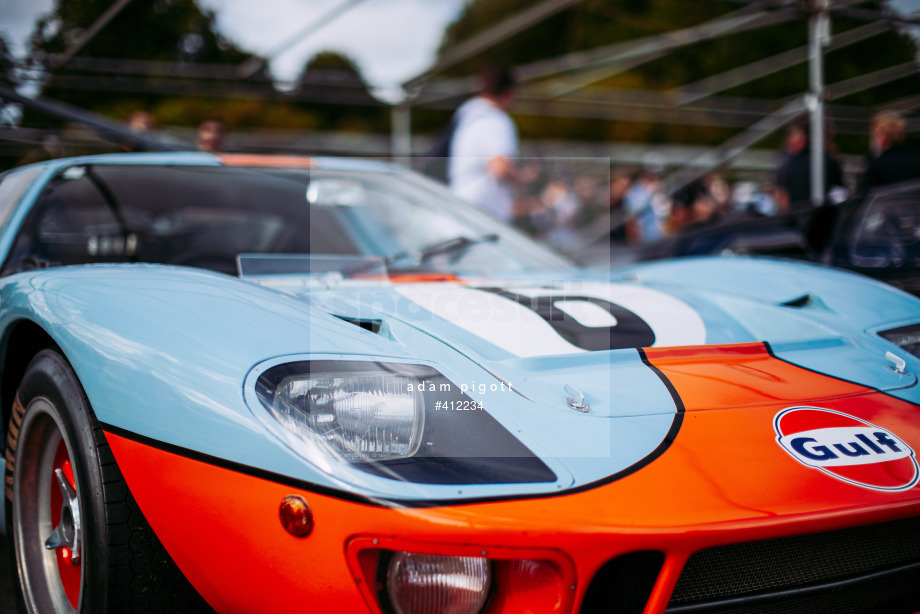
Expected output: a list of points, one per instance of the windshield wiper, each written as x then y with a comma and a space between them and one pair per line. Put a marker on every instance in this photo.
456, 244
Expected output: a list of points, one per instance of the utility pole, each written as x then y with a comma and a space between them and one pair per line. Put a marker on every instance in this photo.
818, 37
401, 122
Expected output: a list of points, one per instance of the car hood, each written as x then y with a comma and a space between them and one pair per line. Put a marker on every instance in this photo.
551, 341
596, 378
599, 376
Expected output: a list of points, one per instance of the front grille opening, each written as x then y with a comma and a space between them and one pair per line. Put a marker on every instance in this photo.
771, 576
624, 584
897, 594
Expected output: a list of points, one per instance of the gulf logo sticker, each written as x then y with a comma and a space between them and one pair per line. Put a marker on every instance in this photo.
847, 448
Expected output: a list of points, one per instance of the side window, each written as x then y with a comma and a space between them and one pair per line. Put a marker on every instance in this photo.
887, 232
71, 223
12, 187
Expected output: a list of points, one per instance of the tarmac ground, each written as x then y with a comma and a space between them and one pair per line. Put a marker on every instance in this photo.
7, 601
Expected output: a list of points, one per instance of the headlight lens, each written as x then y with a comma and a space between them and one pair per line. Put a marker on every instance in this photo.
430, 584
397, 421
356, 416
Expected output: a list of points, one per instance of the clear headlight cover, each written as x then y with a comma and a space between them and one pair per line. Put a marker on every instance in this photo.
397, 421
431, 584
356, 416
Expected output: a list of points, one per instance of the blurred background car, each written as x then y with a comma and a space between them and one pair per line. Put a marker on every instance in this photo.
876, 234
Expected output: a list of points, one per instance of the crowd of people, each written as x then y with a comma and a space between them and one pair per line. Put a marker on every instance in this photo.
210, 135
649, 214
484, 169
567, 207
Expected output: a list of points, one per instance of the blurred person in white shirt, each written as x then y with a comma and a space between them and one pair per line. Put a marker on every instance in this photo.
483, 169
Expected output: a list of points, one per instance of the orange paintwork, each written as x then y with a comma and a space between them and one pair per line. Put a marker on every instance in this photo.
413, 278
724, 479
416, 278
743, 375
266, 160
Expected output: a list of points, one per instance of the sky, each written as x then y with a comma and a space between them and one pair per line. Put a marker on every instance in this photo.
390, 40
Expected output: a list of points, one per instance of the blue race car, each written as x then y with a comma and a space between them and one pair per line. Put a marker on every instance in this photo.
256, 383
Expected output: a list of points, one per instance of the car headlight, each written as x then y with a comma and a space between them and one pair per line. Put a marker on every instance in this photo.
393, 420
359, 416
406, 576
429, 584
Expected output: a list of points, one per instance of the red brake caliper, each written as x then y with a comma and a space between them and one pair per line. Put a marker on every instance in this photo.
69, 570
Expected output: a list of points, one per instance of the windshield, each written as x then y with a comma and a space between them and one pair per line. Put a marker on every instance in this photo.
205, 216
887, 232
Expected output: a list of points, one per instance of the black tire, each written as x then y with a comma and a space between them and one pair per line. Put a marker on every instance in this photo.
53, 512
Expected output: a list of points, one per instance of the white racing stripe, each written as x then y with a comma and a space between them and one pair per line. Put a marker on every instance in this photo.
496, 319
522, 331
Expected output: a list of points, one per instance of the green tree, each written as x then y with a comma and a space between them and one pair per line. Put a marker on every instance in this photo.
589, 24
7, 63
333, 62
595, 24
348, 104
158, 30
8, 155
175, 31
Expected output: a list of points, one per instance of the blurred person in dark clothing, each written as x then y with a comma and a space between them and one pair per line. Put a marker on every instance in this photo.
704, 201
892, 161
620, 183
793, 177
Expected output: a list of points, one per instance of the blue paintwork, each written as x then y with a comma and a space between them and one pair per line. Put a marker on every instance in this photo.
857, 299
125, 329
846, 311
171, 353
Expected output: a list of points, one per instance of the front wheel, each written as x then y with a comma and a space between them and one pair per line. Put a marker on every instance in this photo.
78, 541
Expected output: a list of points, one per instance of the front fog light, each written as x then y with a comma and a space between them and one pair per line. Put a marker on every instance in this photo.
430, 584
357, 416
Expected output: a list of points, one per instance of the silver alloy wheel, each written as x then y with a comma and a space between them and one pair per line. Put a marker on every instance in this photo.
46, 513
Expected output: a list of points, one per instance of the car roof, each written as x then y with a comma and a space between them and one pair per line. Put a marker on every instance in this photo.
197, 158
